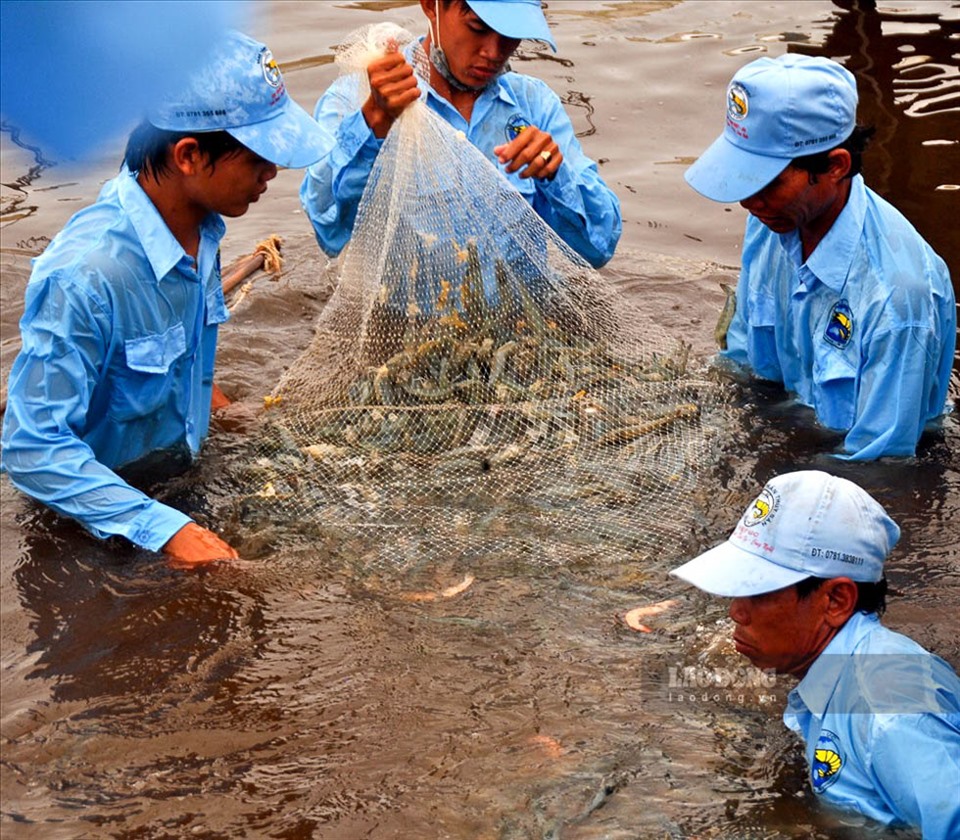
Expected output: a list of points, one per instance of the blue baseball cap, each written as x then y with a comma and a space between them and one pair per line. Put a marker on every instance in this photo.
803, 524
778, 109
240, 90
514, 19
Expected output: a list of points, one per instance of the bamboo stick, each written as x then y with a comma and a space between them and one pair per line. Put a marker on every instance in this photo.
265, 256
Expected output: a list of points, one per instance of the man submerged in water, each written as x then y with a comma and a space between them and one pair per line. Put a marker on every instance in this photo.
122, 309
839, 298
880, 716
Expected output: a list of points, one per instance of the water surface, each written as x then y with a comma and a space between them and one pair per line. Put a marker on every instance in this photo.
298, 695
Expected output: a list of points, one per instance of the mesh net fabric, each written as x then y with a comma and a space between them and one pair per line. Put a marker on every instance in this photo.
474, 388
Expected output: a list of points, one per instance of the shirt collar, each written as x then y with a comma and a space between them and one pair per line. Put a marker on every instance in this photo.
833, 256
160, 246
819, 683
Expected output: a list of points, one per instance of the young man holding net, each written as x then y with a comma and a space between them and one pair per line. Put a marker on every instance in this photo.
514, 119
122, 309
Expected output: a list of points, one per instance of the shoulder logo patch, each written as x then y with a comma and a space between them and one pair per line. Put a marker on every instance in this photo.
839, 329
827, 762
515, 125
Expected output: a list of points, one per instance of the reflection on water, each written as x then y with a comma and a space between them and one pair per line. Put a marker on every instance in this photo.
905, 62
15, 206
294, 696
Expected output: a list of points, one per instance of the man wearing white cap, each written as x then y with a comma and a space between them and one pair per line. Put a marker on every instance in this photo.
879, 714
513, 118
122, 308
839, 298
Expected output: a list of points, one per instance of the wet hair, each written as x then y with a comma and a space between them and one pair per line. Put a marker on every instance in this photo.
871, 597
856, 144
148, 148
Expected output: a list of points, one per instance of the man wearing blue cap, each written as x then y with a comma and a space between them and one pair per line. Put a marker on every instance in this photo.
122, 309
839, 298
511, 117
880, 716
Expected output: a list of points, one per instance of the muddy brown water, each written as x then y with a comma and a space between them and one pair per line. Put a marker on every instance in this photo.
289, 696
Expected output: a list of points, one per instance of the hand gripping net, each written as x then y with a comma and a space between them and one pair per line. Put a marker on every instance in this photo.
474, 388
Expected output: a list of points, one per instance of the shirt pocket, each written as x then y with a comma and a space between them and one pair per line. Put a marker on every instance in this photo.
753, 330
760, 308
148, 375
216, 309
835, 390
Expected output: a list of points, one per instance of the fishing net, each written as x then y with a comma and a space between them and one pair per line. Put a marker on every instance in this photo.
474, 388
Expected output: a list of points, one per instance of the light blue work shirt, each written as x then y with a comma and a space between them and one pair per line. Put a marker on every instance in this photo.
576, 203
119, 336
881, 720
863, 332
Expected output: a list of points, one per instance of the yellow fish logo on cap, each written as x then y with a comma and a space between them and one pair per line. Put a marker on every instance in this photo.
271, 70
738, 105
763, 507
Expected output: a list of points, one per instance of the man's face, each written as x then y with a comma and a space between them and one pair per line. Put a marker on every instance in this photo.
792, 200
780, 630
235, 182
475, 52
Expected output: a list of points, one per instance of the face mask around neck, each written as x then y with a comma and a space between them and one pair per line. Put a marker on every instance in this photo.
438, 58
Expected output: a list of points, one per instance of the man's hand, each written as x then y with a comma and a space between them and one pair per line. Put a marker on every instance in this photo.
194, 546
393, 87
533, 149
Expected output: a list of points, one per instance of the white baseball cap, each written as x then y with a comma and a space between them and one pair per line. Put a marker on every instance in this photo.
803, 524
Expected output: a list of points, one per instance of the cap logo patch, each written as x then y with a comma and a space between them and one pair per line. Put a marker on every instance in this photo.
839, 329
763, 508
827, 762
738, 105
271, 70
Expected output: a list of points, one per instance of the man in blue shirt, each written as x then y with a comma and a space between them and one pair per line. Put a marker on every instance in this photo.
880, 716
120, 324
839, 298
514, 119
